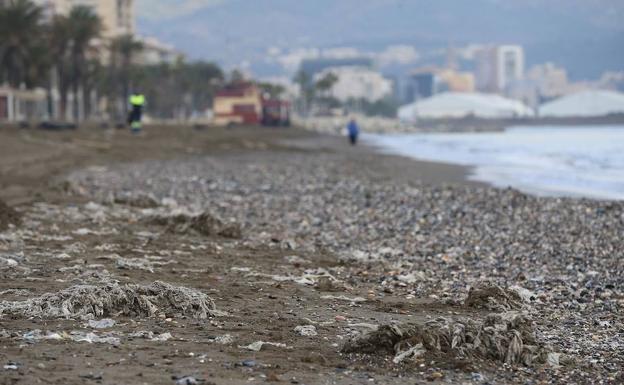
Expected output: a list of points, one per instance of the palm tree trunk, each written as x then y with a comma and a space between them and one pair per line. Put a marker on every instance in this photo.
63, 90
75, 105
75, 90
126, 85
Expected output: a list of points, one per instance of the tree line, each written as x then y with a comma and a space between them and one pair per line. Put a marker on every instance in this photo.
68, 56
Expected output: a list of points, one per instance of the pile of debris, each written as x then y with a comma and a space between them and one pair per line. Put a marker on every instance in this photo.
490, 296
112, 299
205, 224
508, 336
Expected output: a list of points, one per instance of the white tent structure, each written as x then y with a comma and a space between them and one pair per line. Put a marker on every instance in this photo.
585, 103
459, 105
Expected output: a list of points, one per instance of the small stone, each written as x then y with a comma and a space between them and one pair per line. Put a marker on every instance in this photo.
249, 363
435, 376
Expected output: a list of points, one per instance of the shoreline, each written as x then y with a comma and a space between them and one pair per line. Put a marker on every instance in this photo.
399, 167
381, 125
521, 159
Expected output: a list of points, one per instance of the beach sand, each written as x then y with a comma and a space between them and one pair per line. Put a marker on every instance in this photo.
300, 241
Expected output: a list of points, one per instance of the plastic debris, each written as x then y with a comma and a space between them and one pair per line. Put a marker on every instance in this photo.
150, 335
162, 337
93, 338
553, 359
344, 298
414, 352
102, 324
138, 264
11, 366
37, 335
258, 345
225, 339
306, 330
8, 262
188, 380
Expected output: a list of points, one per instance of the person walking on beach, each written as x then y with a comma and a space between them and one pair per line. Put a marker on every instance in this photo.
137, 102
353, 131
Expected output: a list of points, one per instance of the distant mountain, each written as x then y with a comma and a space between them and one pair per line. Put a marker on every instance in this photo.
586, 36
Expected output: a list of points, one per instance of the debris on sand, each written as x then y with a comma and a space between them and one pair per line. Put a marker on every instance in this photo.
143, 201
490, 296
8, 262
12, 366
76, 336
150, 335
205, 224
306, 330
104, 323
93, 338
112, 299
188, 380
225, 339
343, 298
138, 264
258, 345
309, 277
507, 337
162, 337
414, 352
8, 216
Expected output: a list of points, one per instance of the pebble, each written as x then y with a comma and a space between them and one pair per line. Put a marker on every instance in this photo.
249, 363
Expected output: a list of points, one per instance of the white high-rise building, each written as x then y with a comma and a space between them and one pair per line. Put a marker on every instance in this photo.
117, 15
510, 65
358, 83
498, 67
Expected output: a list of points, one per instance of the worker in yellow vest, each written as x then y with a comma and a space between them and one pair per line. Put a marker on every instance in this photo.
137, 102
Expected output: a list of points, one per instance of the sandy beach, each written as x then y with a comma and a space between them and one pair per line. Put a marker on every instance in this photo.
253, 255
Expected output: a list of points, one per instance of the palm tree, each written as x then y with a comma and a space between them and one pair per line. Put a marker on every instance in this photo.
20, 30
123, 51
60, 40
84, 27
326, 83
306, 89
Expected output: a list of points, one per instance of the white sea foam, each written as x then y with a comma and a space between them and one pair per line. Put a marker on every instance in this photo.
583, 161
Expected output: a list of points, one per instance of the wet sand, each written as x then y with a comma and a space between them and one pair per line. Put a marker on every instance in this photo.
31, 160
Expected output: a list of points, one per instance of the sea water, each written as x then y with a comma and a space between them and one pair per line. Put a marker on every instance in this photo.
586, 161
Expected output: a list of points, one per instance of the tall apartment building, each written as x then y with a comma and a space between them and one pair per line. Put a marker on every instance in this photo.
498, 67
358, 83
117, 15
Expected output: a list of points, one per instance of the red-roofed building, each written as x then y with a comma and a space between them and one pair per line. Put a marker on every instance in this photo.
239, 103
